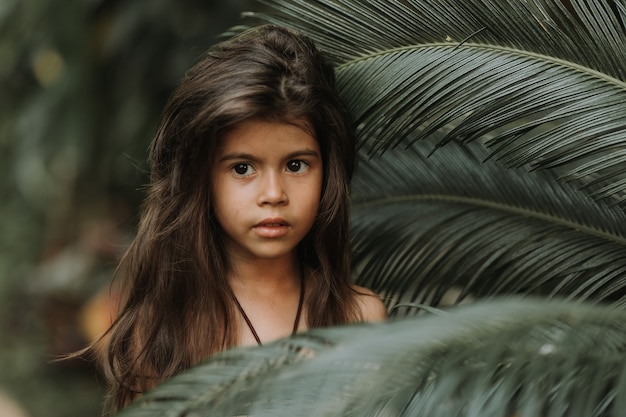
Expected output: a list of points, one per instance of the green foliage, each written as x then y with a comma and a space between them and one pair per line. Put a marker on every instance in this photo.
493, 141
497, 358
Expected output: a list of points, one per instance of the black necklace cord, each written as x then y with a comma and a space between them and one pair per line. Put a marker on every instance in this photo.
249, 323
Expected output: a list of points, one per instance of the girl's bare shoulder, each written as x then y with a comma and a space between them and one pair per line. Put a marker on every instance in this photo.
370, 305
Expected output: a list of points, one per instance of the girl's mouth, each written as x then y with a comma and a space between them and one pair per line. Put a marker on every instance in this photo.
272, 228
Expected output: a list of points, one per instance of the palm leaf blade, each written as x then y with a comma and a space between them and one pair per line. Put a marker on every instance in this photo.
448, 222
402, 106
529, 356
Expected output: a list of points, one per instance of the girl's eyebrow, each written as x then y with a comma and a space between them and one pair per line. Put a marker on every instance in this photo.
250, 157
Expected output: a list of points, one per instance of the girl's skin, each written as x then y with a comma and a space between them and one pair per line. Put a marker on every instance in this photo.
266, 182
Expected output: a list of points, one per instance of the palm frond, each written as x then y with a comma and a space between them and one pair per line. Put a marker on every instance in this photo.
539, 82
425, 227
591, 34
498, 358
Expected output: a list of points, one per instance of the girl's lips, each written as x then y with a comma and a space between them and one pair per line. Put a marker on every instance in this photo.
272, 228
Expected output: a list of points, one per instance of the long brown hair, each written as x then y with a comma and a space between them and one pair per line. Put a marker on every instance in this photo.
176, 307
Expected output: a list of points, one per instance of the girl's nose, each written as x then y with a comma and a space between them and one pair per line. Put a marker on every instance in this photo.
272, 190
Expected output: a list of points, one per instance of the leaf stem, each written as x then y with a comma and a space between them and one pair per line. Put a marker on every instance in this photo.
494, 206
511, 51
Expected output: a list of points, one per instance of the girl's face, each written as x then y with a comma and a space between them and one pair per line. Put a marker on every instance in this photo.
266, 182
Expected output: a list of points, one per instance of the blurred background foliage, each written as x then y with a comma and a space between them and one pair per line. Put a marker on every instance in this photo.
82, 84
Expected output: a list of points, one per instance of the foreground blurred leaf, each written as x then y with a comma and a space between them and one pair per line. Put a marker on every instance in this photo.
502, 358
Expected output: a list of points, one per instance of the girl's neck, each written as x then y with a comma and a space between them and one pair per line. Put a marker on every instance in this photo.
265, 276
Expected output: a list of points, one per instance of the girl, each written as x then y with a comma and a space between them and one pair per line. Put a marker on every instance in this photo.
244, 233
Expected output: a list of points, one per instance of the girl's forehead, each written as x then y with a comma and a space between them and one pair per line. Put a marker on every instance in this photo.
251, 126
258, 134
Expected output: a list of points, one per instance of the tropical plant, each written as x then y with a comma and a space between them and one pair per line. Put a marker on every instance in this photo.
493, 141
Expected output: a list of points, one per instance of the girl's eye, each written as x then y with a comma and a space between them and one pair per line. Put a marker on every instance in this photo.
297, 166
243, 170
